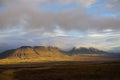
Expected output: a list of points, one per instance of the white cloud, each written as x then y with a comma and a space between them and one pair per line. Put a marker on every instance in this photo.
107, 30
96, 35
30, 40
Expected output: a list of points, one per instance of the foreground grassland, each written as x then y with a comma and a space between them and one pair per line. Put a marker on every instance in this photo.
61, 71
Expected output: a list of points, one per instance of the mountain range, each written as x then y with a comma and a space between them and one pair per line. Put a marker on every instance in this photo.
42, 53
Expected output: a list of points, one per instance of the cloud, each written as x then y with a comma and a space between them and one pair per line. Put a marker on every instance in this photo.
86, 3
21, 20
96, 35
115, 49
31, 16
113, 4
101, 40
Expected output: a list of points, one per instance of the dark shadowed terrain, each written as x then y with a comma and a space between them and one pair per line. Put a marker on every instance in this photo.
61, 71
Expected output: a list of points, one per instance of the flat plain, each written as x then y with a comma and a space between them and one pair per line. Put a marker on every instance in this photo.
61, 71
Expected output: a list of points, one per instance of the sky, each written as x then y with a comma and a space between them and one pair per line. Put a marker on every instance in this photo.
61, 23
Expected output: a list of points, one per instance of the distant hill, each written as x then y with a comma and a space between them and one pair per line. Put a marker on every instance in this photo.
84, 50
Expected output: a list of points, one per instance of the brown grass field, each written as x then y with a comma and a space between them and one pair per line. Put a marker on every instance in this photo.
61, 71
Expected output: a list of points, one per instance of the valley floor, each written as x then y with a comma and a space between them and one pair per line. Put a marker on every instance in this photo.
61, 71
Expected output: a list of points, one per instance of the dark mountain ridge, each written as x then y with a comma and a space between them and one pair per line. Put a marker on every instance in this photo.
84, 50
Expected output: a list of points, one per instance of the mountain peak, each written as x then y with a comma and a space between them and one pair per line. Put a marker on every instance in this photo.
89, 50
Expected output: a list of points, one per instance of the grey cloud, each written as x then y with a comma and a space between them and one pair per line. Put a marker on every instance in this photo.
32, 22
113, 4
115, 49
33, 17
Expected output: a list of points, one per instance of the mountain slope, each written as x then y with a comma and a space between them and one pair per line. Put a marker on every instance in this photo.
23, 52
48, 51
83, 50
6, 54
27, 52
41, 54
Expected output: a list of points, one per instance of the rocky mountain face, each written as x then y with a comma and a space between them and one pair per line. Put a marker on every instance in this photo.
28, 52
48, 51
